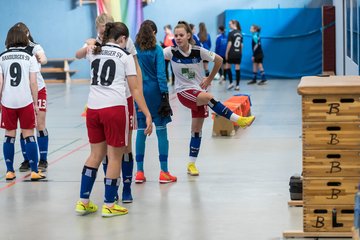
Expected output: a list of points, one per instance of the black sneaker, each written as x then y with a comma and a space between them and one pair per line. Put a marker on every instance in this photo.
252, 82
24, 166
262, 82
43, 164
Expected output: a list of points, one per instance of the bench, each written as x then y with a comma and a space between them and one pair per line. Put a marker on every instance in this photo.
58, 70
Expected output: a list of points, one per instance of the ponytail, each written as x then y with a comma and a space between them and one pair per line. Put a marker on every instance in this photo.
113, 30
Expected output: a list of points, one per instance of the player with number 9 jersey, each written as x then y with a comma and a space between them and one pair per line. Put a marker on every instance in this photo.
18, 69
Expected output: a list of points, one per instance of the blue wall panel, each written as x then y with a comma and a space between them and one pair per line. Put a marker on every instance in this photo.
291, 40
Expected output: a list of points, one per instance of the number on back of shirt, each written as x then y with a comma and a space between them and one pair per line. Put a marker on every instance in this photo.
237, 42
107, 72
15, 74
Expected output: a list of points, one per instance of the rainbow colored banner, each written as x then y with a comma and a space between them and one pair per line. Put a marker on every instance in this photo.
129, 12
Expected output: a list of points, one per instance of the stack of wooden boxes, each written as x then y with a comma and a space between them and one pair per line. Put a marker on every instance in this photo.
331, 152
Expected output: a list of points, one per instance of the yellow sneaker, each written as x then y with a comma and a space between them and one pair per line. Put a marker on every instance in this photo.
35, 176
10, 175
114, 210
244, 122
83, 209
192, 170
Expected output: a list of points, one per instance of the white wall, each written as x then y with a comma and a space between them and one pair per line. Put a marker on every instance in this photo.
339, 38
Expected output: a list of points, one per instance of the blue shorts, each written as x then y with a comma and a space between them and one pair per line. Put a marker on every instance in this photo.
158, 121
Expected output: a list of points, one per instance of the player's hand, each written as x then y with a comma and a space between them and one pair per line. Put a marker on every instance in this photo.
90, 49
148, 129
252, 59
205, 83
165, 108
90, 41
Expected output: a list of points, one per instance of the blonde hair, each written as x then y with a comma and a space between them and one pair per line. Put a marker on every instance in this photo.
103, 18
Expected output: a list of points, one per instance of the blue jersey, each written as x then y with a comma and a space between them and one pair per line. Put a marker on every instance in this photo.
221, 44
152, 64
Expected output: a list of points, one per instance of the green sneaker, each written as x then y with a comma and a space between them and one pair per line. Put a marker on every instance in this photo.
244, 122
114, 210
83, 209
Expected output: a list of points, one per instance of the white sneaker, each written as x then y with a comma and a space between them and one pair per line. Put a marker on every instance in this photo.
221, 80
230, 86
237, 88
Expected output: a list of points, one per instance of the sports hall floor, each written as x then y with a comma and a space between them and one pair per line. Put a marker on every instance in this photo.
241, 193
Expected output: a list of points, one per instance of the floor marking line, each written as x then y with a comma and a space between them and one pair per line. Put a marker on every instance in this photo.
53, 162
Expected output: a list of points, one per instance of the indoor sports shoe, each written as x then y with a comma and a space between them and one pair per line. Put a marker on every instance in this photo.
237, 88
192, 170
10, 176
262, 82
83, 209
24, 166
244, 122
166, 177
43, 164
251, 82
35, 176
230, 86
114, 210
140, 177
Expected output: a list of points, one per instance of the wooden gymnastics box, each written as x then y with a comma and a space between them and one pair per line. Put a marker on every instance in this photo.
331, 135
328, 218
331, 163
239, 105
330, 191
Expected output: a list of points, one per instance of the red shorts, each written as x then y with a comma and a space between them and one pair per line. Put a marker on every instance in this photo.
108, 124
42, 97
188, 99
131, 111
25, 115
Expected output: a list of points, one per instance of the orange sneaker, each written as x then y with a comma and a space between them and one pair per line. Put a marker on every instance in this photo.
140, 177
36, 176
10, 175
166, 177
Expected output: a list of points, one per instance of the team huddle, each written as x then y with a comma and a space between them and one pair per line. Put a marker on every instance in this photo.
122, 71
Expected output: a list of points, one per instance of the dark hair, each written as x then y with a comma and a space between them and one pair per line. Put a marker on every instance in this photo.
16, 38
151, 24
167, 26
256, 28
191, 26
222, 28
202, 32
185, 25
237, 24
25, 29
145, 38
112, 31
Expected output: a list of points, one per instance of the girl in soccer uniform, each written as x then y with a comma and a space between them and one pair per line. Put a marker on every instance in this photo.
151, 60
187, 62
234, 52
106, 119
220, 49
19, 95
205, 41
42, 133
258, 55
128, 160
